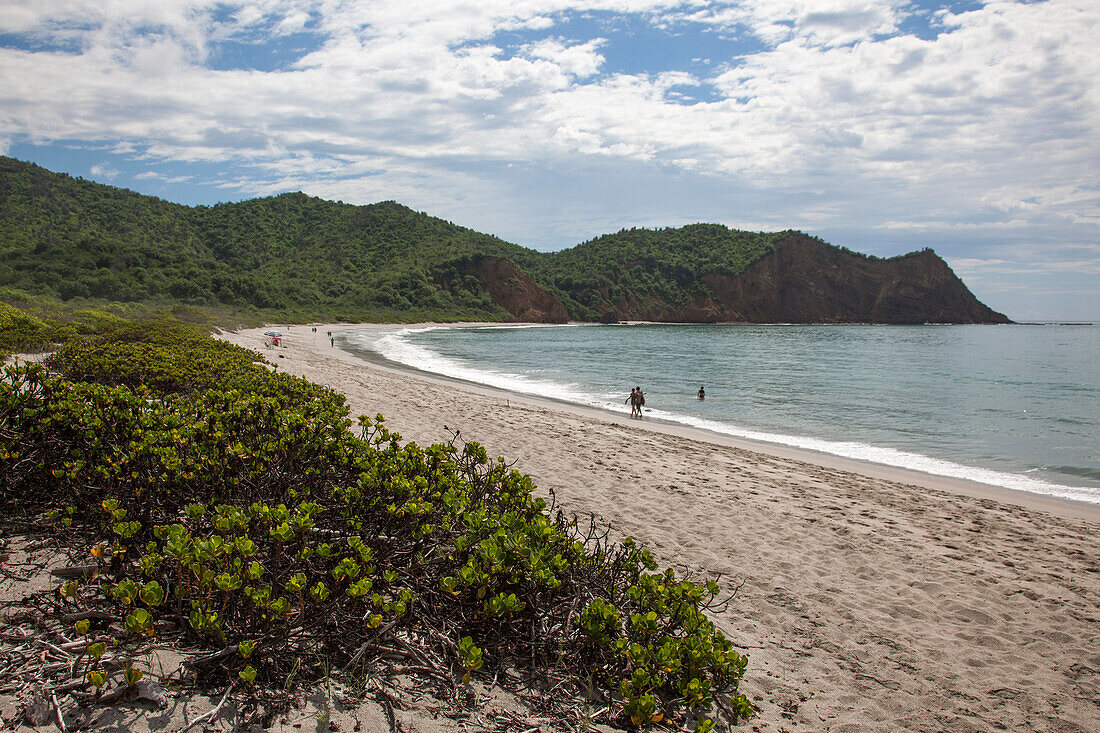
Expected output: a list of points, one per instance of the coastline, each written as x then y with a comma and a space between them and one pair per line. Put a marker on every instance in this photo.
868, 598
1056, 505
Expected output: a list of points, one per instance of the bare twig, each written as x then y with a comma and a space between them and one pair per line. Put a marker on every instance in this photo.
54, 648
57, 709
210, 714
199, 661
71, 618
387, 705
79, 571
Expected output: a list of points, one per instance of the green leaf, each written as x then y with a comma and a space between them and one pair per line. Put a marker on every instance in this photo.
139, 621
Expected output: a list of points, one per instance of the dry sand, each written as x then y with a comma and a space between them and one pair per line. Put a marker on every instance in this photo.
864, 603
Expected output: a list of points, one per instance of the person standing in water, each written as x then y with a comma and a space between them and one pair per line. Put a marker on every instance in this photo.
702, 394
637, 400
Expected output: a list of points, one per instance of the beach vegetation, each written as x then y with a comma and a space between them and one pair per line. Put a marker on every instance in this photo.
226, 508
21, 331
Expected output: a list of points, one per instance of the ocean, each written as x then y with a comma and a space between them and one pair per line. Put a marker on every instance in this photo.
1010, 406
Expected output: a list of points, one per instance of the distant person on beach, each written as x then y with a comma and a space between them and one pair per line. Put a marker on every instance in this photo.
634, 400
331, 341
702, 394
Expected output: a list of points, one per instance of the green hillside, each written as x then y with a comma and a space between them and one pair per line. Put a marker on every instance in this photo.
300, 256
71, 238
648, 265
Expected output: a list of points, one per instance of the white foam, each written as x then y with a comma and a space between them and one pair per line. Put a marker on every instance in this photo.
395, 347
895, 458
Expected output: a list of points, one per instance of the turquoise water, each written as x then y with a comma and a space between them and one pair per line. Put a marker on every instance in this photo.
1011, 406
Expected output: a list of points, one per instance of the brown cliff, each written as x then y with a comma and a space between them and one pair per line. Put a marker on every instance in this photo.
515, 290
807, 281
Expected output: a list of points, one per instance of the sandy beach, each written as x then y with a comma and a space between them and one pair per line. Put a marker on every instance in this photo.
868, 599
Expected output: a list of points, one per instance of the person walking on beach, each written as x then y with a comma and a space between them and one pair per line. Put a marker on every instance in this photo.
641, 400
635, 402
331, 341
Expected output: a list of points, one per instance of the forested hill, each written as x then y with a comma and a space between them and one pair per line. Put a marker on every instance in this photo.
74, 238
304, 257
652, 274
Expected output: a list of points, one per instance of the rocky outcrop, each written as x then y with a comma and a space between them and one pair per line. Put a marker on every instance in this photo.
807, 281
515, 291
699, 310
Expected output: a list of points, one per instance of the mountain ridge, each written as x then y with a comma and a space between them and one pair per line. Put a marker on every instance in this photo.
306, 257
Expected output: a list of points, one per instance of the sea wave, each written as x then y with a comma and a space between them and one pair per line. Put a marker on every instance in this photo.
395, 346
895, 458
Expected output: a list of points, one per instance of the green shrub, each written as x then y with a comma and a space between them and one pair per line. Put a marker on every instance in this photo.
236, 505
21, 331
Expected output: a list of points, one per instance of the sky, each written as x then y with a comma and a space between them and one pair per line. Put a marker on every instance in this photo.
883, 126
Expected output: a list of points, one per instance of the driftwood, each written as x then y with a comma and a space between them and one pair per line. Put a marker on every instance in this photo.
77, 571
57, 709
210, 714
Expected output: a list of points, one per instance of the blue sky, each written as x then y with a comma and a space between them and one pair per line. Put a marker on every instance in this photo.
881, 125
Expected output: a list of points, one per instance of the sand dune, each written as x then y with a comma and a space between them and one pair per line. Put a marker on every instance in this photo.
865, 604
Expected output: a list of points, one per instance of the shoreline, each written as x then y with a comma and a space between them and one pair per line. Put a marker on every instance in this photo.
864, 603
1056, 505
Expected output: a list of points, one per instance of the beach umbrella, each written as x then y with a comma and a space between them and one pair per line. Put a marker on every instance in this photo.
272, 333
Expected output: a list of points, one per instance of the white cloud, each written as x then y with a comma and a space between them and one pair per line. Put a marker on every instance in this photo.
577, 60
1090, 266
819, 22
293, 22
160, 177
104, 171
425, 78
